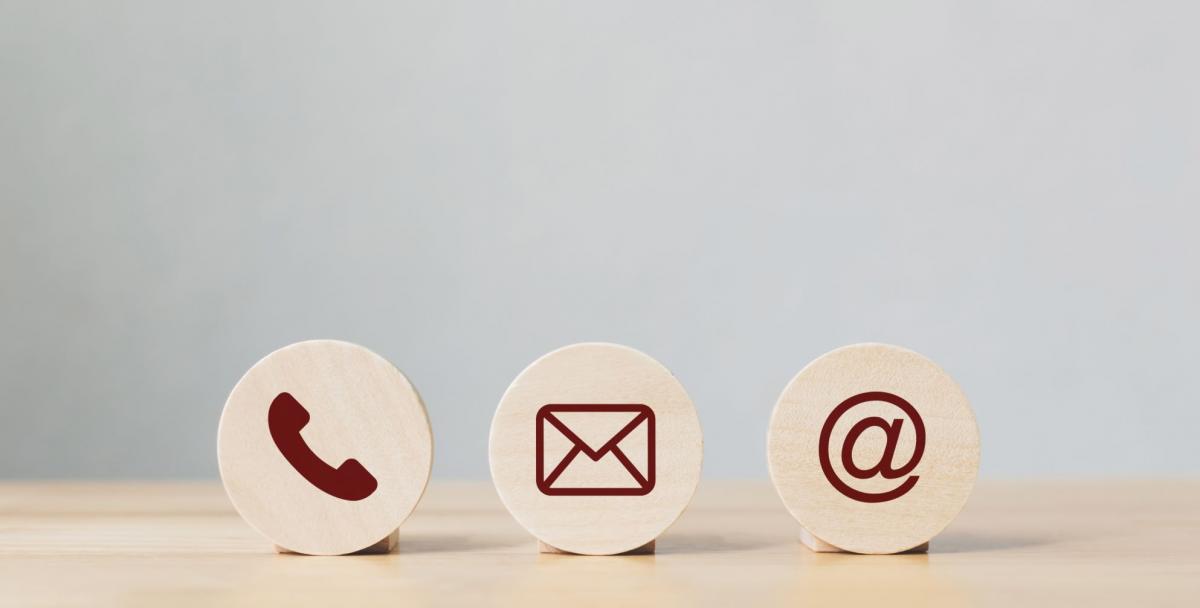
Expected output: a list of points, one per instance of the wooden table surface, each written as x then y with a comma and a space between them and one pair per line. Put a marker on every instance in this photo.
1017, 543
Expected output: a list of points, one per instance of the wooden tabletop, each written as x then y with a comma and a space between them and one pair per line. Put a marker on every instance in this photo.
1017, 543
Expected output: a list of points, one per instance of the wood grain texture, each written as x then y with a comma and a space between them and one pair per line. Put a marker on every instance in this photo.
353, 408
616, 387
873, 448
1016, 543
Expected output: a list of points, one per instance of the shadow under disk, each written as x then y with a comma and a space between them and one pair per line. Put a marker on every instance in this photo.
439, 543
705, 543
952, 542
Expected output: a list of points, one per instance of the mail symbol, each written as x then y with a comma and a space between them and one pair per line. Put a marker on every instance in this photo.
613, 437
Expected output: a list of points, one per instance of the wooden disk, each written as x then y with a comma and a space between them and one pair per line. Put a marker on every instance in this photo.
873, 448
324, 447
596, 449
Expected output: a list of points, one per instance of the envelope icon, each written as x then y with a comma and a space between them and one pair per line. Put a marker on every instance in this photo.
604, 452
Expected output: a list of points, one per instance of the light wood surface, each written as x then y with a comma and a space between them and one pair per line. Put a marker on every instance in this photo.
1016, 543
619, 444
324, 431
873, 448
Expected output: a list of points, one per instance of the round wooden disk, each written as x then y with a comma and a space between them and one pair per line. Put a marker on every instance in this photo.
324, 447
912, 457
619, 442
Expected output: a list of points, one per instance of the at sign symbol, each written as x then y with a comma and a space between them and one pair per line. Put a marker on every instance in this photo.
886, 465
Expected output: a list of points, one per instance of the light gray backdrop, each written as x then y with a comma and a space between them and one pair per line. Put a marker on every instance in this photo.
1010, 188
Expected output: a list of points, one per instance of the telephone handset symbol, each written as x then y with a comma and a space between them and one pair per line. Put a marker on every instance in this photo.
351, 481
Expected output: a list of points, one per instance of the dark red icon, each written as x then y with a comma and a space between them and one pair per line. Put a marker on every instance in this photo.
642, 484
351, 481
884, 466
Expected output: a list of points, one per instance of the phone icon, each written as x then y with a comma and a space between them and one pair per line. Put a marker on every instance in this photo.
350, 481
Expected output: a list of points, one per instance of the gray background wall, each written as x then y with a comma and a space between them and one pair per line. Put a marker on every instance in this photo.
1010, 188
